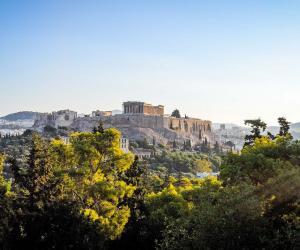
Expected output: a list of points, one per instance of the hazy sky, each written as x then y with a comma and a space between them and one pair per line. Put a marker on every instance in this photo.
220, 60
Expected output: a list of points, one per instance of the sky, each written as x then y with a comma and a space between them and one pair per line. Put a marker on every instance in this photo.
222, 60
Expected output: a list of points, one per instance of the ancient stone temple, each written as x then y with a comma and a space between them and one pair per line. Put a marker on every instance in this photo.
142, 108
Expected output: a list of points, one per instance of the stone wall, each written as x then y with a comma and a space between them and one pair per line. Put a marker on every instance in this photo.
163, 129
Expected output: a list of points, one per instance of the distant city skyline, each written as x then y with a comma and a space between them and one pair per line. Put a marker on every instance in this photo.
224, 61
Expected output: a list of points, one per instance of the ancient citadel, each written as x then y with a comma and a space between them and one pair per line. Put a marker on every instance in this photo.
138, 121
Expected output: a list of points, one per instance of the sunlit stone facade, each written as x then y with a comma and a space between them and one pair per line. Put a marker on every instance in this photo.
142, 108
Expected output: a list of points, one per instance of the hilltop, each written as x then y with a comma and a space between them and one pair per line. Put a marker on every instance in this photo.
23, 115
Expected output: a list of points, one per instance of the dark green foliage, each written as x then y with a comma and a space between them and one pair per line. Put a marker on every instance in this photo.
284, 129
28, 132
228, 220
174, 145
51, 131
56, 226
177, 161
38, 215
35, 178
132, 237
205, 146
176, 113
258, 126
99, 129
187, 145
253, 205
217, 148
143, 144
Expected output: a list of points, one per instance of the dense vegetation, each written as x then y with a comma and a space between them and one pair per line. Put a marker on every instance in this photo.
88, 194
186, 162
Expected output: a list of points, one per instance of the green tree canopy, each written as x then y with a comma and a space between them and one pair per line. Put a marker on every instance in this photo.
176, 113
92, 177
257, 126
284, 129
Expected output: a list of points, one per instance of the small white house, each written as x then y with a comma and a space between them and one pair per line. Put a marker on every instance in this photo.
124, 144
142, 153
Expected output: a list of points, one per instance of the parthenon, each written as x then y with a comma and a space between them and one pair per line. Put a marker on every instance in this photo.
142, 108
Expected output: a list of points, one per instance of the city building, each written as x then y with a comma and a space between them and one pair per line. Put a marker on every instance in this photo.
124, 144
142, 153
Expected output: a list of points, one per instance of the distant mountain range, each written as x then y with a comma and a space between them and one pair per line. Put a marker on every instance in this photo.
296, 127
23, 115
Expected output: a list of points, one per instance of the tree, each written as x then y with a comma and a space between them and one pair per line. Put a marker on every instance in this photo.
99, 129
188, 145
93, 178
217, 148
3, 182
203, 165
78, 185
50, 130
174, 144
59, 225
271, 167
230, 144
257, 127
205, 147
176, 113
132, 236
218, 219
6, 209
284, 127
37, 200
35, 179
144, 144
162, 208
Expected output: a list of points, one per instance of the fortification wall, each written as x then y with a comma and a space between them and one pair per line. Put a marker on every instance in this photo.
197, 127
138, 120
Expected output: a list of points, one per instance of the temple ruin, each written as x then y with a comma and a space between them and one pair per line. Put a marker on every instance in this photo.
142, 108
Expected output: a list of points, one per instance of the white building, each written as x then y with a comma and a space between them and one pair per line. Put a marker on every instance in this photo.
142, 153
124, 144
